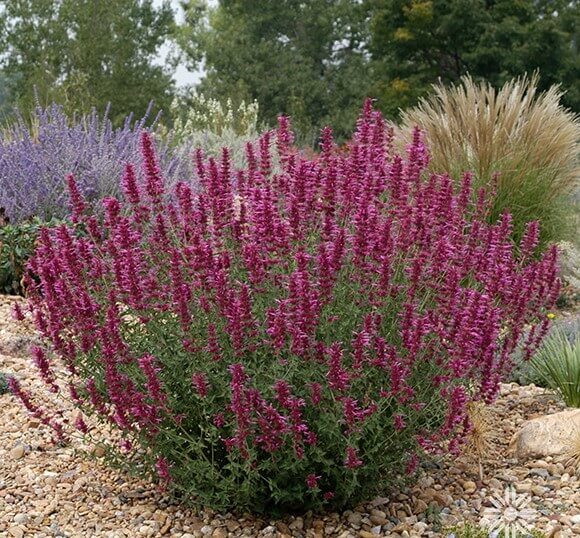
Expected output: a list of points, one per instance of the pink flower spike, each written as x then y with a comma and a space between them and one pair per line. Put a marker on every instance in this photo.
312, 481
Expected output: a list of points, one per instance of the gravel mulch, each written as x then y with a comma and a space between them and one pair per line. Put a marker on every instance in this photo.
49, 491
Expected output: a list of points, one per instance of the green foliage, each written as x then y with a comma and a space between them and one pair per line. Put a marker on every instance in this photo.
83, 53
557, 363
415, 43
304, 59
4, 389
17, 244
520, 142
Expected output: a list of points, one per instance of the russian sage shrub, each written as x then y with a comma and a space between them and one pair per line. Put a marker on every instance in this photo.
288, 340
36, 155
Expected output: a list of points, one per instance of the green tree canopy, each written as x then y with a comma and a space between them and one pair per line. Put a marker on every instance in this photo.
86, 53
414, 43
303, 58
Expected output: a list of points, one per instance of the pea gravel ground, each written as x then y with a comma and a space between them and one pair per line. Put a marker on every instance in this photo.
50, 491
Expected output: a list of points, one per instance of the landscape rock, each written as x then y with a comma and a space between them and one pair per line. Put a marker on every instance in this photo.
549, 435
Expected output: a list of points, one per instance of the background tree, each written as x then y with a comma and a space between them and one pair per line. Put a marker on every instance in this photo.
416, 42
86, 53
300, 58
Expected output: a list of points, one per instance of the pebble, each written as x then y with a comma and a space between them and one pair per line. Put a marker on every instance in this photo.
541, 472
355, 518
17, 452
21, 519
469, 486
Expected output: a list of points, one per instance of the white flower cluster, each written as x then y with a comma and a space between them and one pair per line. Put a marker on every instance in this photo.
211, 125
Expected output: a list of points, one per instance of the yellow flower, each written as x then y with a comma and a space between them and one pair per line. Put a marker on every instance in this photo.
551, 315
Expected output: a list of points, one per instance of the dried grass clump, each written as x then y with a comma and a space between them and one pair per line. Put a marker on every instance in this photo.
478, 444
525, 138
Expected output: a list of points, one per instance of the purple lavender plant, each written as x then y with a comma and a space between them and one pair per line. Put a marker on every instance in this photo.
36, 157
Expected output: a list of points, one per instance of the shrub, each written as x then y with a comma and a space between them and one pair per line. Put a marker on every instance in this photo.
36, 156
290, 340
4, 383
557, 362
206, 123
17, 244
529, 141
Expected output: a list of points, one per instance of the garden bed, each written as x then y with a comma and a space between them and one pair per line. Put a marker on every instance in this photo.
48, 490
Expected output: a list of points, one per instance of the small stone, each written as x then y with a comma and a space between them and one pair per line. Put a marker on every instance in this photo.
420, 527
539, 490
220, 532
442, 499
21, 519
575, 519
523, 487
378, 520
145, 530
297, 524
233, 525
366, 534
542, 473
206, 529
17, 452
355, 518
419, 506
79, 484
469, 486
16, 532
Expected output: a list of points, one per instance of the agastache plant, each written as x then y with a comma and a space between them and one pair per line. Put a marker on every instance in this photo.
297, 333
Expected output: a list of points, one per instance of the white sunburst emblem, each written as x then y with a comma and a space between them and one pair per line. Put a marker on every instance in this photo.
510, 515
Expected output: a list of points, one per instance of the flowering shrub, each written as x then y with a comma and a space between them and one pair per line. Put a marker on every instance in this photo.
288, 340
212, 126
36, 156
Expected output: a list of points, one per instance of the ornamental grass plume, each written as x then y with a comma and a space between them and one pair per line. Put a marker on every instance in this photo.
292, 339
526, 142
